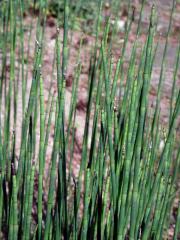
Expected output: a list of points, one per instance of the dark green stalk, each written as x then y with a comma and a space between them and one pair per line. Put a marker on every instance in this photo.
41, 159
161, 77
30, 200
173, 92
21, 4
177, 227
109, 129
143, 107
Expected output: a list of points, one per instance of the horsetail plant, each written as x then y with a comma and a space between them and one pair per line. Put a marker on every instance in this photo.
128, 157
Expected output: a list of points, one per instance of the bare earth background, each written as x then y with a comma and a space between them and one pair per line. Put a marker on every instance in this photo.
164, 7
